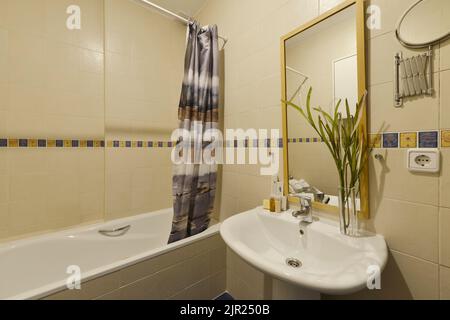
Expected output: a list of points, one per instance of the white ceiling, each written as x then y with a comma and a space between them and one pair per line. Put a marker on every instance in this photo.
185, 7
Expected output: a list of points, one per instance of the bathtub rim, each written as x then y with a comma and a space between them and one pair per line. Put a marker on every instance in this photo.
59, 286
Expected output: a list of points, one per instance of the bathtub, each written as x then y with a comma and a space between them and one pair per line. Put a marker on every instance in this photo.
35, 268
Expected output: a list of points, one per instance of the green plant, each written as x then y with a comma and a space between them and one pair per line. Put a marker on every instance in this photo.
343, 139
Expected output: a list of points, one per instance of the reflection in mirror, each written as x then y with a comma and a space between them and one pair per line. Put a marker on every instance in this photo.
425, 23
323, 57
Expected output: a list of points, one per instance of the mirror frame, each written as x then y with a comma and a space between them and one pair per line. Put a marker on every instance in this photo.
362, 86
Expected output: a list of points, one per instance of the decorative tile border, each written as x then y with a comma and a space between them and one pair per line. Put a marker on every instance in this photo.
411, 139
395, 140
304, 140
126, 144
50, 143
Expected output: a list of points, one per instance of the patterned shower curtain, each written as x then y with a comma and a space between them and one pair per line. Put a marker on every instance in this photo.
194, 185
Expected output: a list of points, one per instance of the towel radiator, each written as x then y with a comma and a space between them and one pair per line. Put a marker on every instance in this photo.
413, 76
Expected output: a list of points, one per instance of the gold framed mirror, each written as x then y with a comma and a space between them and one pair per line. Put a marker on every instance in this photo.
326, 54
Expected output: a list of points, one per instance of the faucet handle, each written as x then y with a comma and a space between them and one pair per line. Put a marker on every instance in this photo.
306, 201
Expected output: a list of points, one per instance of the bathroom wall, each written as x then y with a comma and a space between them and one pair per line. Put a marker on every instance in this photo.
412, 211
51, 105
85, 115
144, 70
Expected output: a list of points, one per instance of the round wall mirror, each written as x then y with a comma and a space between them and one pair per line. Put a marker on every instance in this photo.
425, 23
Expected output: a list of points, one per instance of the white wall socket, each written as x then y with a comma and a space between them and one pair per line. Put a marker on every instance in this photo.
423, 160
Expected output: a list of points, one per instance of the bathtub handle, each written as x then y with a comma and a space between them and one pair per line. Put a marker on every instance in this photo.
115, 232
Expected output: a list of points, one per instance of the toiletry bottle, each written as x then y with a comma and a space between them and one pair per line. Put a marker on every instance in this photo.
283, 198
273, 194
276, 195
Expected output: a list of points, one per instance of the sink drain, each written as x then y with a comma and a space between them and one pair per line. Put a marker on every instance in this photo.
294, 263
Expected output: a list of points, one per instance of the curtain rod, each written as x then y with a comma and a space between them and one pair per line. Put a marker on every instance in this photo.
182, 19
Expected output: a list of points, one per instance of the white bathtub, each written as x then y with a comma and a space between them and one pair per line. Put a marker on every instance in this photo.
36, 267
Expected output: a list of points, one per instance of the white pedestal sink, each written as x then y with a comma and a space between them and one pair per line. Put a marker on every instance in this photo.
314, 259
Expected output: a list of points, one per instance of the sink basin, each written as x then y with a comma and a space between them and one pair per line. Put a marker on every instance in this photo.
321, 260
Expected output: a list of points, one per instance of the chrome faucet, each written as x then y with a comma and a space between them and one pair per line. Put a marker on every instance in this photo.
306, 210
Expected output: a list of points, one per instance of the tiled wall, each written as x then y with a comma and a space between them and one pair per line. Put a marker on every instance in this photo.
162, 277
85, 115
143, 83
51, 87
410, 210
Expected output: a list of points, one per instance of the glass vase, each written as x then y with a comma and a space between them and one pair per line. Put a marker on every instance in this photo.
348, 212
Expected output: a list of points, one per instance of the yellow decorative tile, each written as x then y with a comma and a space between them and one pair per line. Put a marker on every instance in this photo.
408, 140
122, 144
97, 143
375, 140
83, 144
134, 144
51, 143
109, 144
67, 143
32, 143
13, 143
445, 138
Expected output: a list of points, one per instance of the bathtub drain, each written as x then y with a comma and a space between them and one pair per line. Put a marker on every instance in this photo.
294, 263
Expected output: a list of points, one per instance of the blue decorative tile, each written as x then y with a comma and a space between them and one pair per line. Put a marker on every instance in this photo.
59, 143
3, 143
280, 143
42, 143
23, 143
128, 144
140, 144
150, 144
308, 140
75, 143
390, 140
90, 143
102, 143
428, 139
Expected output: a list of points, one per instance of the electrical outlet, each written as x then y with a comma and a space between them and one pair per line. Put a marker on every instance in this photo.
423, 160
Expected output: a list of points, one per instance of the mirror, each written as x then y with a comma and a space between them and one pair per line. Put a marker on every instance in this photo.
328, 56
425, 23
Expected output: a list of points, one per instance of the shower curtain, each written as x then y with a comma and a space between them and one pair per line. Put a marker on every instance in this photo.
194, 185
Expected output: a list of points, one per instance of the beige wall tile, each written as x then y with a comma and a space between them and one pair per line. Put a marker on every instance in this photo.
405, 278
416, 114
444, 274
445, 99
218, 284
381, 52
391, 11
444, 232
445, 55
408, 227
247, 276
391, 179
444, 181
